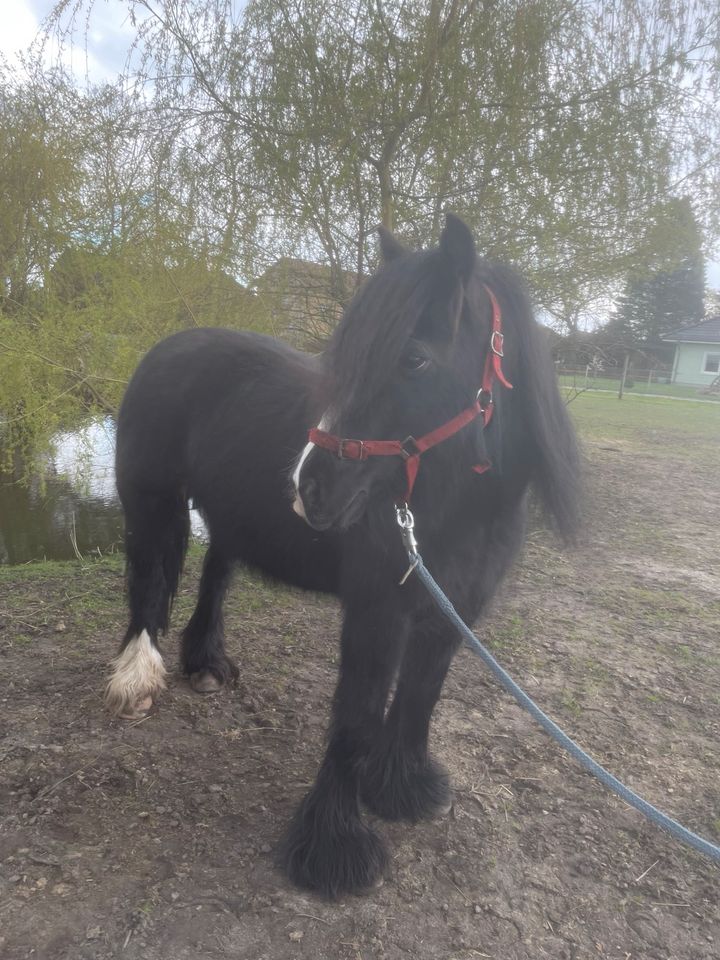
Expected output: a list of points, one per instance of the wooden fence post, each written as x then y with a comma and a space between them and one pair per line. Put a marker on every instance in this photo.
624, 375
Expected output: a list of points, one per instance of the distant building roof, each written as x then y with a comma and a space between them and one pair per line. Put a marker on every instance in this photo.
293, 267
706, 332
306, 299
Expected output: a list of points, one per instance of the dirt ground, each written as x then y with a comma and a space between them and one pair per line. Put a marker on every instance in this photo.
154, 840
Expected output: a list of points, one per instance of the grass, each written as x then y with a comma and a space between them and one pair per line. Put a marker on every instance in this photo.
570, 702
647, 422
42, 569
50, 595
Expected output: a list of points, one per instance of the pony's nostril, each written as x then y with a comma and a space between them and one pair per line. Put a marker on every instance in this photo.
309, 491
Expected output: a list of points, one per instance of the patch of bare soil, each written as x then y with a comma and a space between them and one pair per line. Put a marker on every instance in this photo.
154, 840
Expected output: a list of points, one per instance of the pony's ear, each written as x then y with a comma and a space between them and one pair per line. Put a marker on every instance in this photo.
458, 246
390, 246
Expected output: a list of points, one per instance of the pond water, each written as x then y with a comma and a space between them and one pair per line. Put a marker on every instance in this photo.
74, 508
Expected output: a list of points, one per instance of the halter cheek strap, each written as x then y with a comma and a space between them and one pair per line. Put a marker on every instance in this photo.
411, 448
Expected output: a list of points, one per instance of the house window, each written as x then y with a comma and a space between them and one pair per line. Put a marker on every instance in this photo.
712, 363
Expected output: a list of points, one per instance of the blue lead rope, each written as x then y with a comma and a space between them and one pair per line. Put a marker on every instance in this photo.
651, 812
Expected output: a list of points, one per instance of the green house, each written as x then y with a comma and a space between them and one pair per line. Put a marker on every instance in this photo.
697, 353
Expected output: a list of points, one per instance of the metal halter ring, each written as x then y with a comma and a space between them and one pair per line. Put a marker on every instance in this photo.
498, 351
484, 398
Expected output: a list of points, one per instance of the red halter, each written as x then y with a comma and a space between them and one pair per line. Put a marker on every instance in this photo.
410, 449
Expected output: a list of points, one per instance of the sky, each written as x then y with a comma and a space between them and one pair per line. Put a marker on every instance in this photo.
102, 55
108, 38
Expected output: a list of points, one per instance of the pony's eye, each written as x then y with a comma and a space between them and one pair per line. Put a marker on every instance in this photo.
414, 363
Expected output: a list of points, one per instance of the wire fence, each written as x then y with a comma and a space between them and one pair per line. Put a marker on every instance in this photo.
638, 381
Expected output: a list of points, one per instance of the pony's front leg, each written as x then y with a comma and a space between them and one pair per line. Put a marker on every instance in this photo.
401, 780
327, 847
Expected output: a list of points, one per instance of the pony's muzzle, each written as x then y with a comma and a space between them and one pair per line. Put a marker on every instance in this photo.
323, 506
310, 504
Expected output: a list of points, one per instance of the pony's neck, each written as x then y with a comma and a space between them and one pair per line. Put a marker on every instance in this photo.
444, 500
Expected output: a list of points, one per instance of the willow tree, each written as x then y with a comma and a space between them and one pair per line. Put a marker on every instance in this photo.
102, 253
39, 180
554, 127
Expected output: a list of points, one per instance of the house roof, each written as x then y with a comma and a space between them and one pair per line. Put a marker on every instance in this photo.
706, 332
293, 268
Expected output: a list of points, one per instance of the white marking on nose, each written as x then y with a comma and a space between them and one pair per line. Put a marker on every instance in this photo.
300, 463
323, 425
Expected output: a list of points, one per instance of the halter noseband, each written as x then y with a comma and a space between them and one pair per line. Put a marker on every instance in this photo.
411, 448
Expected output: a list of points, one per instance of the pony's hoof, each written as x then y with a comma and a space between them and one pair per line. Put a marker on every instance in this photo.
444, 810
205, 682
400, 789
332, 860
343, 864
137, 710
138, 676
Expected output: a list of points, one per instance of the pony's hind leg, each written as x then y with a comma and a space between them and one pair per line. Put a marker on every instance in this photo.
203, 656
156, 533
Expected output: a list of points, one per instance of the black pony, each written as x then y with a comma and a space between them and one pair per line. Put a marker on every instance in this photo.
222, 417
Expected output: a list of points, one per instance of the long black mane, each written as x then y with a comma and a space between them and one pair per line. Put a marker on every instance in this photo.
556, 461
377, 324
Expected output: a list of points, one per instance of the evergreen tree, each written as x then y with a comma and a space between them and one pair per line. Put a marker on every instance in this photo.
669, 292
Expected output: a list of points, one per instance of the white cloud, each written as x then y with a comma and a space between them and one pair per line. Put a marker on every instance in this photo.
19, 30
97, 48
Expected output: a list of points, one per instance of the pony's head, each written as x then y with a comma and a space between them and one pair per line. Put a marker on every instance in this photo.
408, 356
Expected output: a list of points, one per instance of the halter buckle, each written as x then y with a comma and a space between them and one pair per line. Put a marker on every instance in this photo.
409, 448
497, 350
351, 450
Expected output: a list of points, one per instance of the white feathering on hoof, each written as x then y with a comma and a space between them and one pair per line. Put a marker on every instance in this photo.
138, 674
